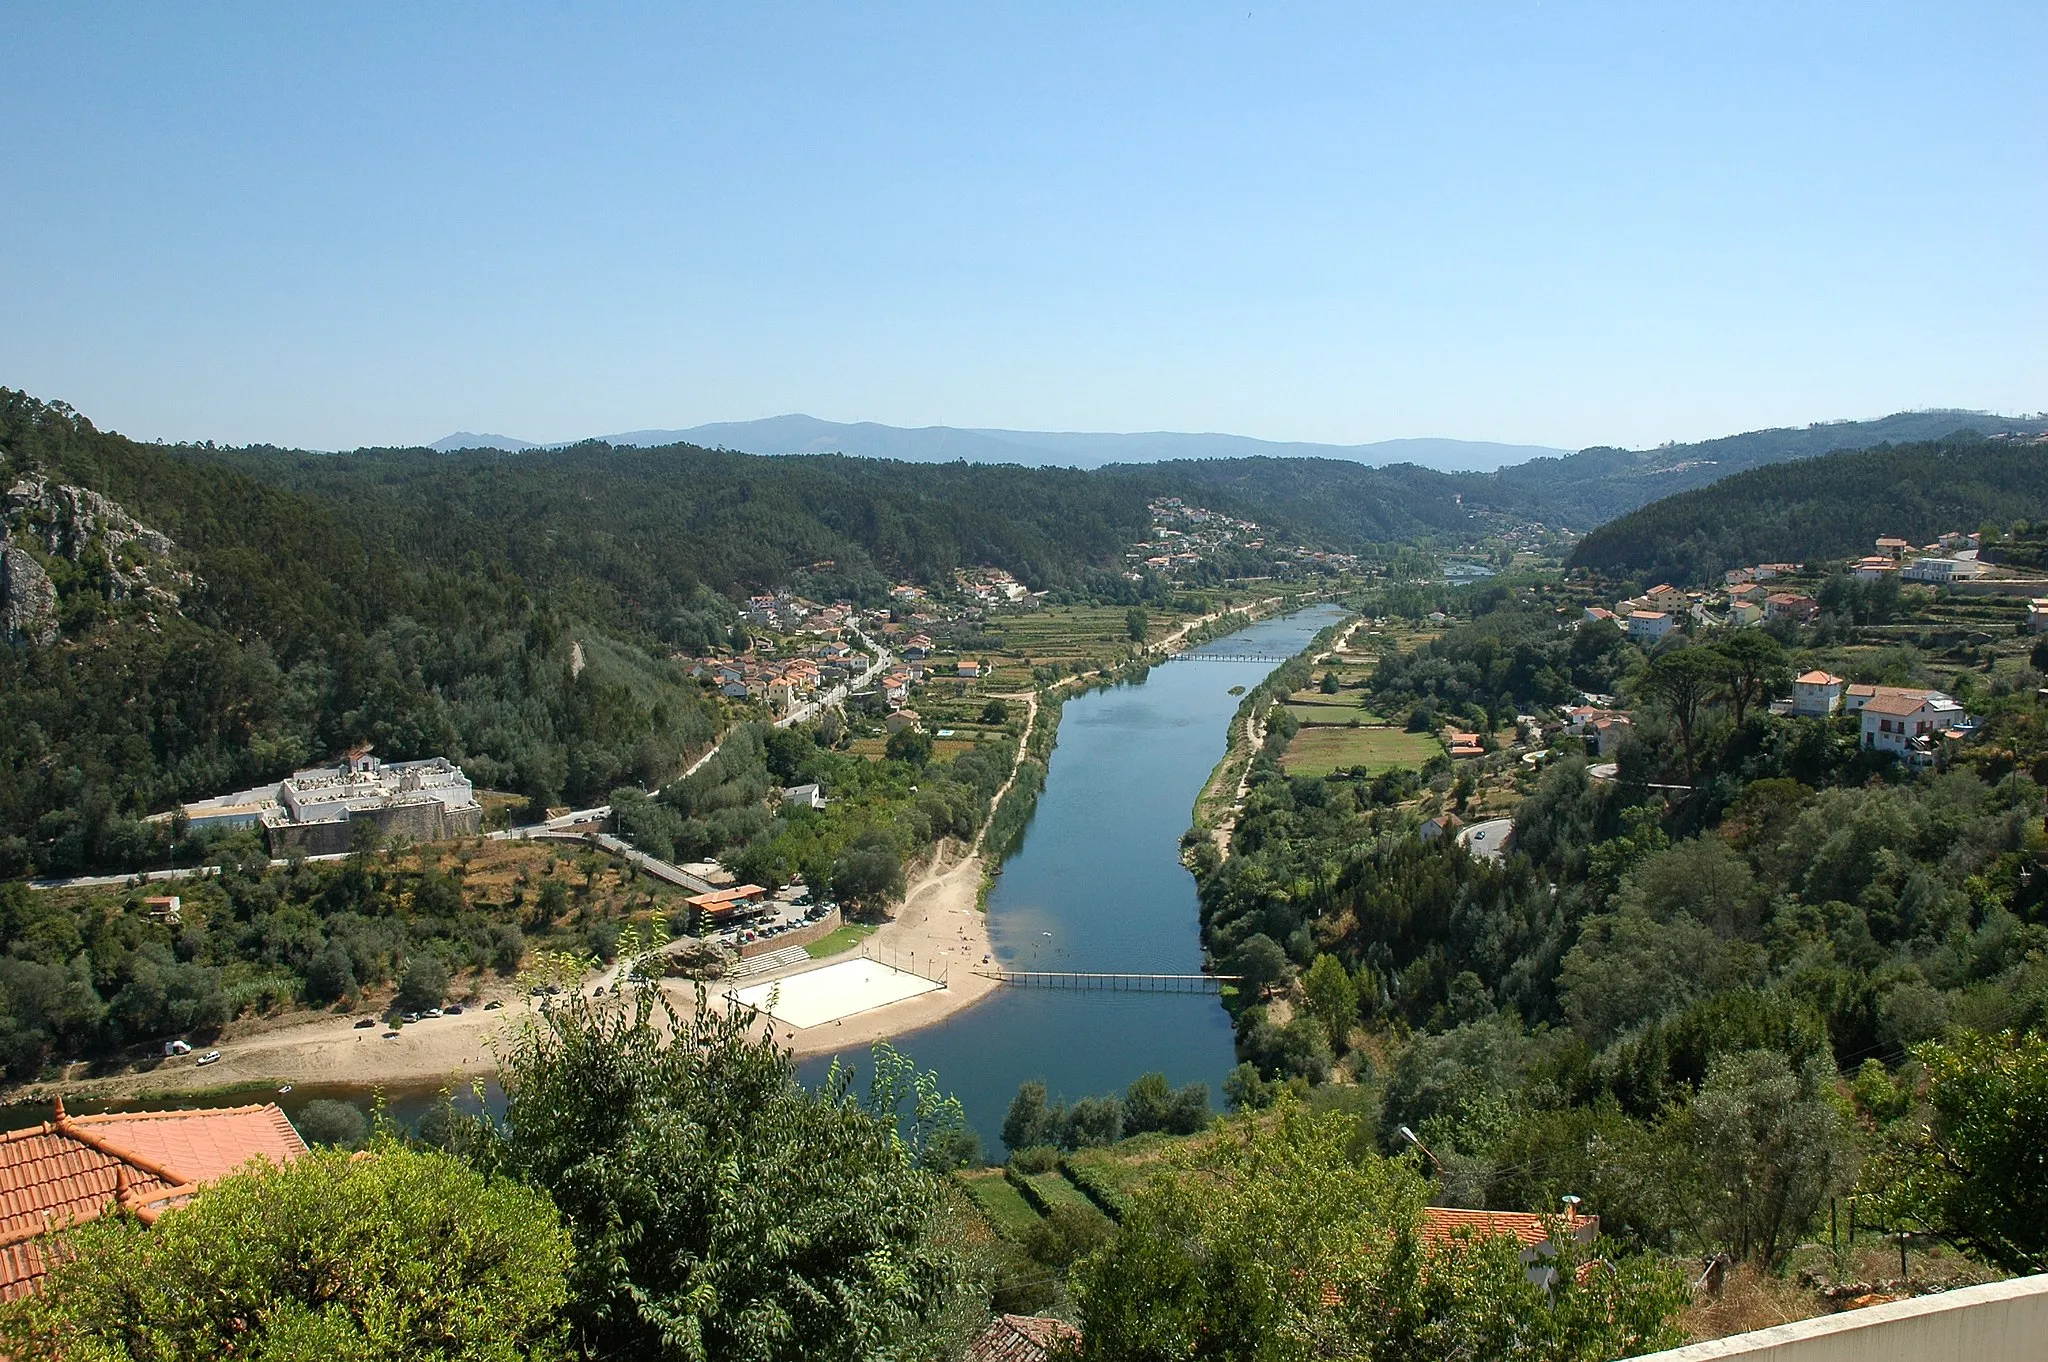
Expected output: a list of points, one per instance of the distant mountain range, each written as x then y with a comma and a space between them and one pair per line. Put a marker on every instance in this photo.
1032, 448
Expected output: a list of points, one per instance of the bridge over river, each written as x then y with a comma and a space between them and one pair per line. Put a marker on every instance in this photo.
1111, 982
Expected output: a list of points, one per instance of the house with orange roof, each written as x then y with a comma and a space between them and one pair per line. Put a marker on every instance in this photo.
1816, 694
1911, 723
1445, 1225
72, 1169
1024, 1338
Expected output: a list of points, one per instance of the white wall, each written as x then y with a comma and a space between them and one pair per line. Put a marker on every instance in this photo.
2002, 1322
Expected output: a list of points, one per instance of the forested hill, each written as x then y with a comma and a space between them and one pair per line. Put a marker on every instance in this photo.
1595, 485
1834, 506
177, 628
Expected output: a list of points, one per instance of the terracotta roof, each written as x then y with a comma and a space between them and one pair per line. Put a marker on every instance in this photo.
1442, 1224
72, 1169
1820, 678
1021, 1338
1890, 700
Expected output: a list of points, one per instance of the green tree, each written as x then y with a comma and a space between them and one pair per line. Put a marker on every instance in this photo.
1970, 1170
912, 745
396, 1256
869, 872
1273, 1242
324, 1121
995, 711
1769, 1144
1332, 997
424, 984
1681, 682
1752, 669
1136, 622
1260, 963
719, 1208
1330, 684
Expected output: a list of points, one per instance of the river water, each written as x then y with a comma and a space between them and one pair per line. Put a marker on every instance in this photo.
1097, 886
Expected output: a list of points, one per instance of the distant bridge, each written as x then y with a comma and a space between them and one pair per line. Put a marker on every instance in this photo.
1226, 657
1114, 983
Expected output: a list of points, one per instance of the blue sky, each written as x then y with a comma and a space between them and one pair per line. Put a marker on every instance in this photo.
1553, 223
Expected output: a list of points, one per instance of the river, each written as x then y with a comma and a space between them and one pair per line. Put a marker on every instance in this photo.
1097, 886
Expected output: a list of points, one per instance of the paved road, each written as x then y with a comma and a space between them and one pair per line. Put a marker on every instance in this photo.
1489, 839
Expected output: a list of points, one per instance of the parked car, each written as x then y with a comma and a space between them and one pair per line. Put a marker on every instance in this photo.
363, 1022
210, 1057
411, 1017
494, 1004
176, 1047
454, 1010
432, 1012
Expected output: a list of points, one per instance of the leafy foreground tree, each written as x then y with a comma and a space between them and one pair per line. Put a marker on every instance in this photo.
719, 1209
1270, 1242
1973, 1167
397, 1256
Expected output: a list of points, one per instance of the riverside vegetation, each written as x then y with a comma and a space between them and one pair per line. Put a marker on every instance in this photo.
1760, 973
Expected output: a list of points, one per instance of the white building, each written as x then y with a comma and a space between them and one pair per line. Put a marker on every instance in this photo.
1817, 694
1910, 723
1942, 570
1649, 626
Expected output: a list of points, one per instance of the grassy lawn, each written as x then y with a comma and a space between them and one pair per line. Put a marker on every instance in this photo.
1319, 751
1003, 1204
845, 939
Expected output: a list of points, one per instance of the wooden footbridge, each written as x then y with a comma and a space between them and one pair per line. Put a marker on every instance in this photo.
1113, 983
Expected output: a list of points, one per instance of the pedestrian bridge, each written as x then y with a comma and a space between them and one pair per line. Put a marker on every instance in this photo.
1226, 657
1109, 982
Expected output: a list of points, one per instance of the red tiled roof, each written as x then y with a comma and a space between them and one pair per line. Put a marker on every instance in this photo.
1819, 678
1021, 1338
71, 1170
1898, 703
1442, 1224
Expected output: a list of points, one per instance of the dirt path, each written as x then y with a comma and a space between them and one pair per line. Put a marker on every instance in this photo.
1255, 738
1030, 699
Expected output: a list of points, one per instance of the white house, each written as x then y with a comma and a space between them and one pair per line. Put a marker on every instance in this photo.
1648, 626
1817, 694
1909, 722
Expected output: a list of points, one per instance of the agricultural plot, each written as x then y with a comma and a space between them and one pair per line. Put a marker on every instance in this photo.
1312, 707
1051, 1192
1069, 636
995, 1197
1319, 751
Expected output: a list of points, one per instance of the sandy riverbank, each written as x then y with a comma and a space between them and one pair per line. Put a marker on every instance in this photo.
938, 925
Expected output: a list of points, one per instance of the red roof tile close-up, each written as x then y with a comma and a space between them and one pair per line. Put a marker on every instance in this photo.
73, 1169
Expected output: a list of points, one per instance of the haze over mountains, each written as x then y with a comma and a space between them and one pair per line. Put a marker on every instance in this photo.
797, 434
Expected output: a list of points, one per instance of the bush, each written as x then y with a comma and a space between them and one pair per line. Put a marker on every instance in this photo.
335, 1123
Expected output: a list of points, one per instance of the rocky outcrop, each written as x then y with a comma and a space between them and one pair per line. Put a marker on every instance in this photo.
126, 558
28, 600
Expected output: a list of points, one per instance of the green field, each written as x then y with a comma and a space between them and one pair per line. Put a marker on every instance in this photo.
1002, 1203
1319, 751
1055, 1191
1312, 707
845, 939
